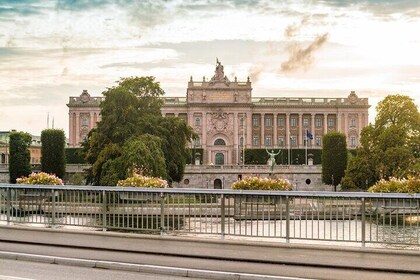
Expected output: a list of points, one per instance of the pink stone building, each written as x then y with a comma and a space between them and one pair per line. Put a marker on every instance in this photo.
227, 118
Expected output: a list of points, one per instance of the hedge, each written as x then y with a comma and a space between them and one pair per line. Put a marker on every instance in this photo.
75, 156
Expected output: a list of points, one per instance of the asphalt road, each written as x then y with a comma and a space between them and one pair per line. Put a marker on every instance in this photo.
196, 263
22, 270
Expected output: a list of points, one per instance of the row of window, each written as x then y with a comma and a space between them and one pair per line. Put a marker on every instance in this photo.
269, 142
268, 122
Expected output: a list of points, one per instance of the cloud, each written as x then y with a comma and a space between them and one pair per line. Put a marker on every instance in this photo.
294, 28
302, 57
255, 72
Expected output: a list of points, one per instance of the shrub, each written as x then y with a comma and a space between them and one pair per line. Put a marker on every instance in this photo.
41, 178
266, 184
143, 182
53, 158
394, 185
20, 157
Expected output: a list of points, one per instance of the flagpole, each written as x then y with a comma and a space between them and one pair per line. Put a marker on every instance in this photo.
288, 156
306, 148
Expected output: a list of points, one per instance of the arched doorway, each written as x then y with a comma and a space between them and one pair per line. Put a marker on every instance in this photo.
217, 184
219, 159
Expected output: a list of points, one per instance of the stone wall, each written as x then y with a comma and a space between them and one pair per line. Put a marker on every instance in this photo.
302, 177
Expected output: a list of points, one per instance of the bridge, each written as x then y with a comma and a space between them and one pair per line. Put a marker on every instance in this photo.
232, 234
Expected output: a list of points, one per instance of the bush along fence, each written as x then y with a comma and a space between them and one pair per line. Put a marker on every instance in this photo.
364, 218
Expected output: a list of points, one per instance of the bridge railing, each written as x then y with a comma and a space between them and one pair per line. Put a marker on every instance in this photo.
323, 216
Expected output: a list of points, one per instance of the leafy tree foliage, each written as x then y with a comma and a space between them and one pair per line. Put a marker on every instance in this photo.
133, 134
334, 157
19, 164
53, 160
390, 147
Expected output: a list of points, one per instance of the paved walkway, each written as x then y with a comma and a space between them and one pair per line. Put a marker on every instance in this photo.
248, 253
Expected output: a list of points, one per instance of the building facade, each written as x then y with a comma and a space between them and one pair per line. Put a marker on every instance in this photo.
34, 149
228, 119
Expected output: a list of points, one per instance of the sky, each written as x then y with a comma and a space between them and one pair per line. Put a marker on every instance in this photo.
53, 49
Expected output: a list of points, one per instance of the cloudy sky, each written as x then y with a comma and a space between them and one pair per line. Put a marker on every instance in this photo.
53, 49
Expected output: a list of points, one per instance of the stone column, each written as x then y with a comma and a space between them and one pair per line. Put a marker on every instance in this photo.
325, 124
204, 136
300, 130
77, 130
91, 120
275, 136
71, 132
339, 126
359, 129
346, 123
287, 142
235, 158
262, 126
248, 130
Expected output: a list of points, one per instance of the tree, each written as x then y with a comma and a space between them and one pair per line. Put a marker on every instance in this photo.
133, 133
20, 157
390, 147
334, 157
53, 160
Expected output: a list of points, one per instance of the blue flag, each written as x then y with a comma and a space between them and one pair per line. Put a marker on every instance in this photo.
309, 135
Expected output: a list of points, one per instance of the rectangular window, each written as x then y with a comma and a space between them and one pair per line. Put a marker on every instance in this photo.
280, 122
352, 122
280, 141
293, 142
268, 141
318, 122
353, 141
305, 122
268, 122
318, 141
256, 141
197, 142
197, 122
255, 121
293, 122
330, 122
241, 123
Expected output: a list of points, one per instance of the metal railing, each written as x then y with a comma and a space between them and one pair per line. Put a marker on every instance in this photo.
323, 216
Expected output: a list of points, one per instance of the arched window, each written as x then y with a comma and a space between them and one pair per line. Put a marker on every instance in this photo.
3, 158
84, 121
217, 184
220, 159
220, 142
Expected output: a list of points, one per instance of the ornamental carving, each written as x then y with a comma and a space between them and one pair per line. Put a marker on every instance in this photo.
219, 122
353, 98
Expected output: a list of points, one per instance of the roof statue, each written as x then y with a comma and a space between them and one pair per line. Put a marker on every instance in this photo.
219, 74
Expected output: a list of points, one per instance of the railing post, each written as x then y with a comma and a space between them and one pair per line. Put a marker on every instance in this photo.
53, 208
287, 219
9, 204
162, 213
363, 223
104, 206
222, 214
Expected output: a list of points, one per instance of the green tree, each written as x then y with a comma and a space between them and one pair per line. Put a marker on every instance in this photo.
20, 157
133, 133
334, 157
390, 147
53, 160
